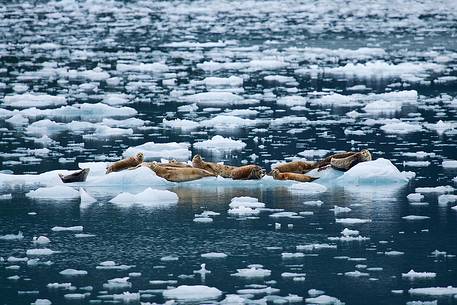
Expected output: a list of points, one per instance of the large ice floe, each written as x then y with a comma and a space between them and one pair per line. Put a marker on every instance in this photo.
378, 173
156, 151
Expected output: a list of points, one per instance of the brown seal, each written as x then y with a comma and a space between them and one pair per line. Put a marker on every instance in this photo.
125, 163
217, 169
277, 175
178, 174
247, 172
300, 167
348, 162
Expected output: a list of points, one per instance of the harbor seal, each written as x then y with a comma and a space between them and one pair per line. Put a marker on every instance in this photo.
79, 176
222, 170
346, 163
178, 174
278, 175
247, 172
299, 167
125, 163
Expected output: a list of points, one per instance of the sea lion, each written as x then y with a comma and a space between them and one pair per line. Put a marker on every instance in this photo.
222, 170
277, 175
179, 174
79, 176
346, 163
125, 163
247, 172
300, 167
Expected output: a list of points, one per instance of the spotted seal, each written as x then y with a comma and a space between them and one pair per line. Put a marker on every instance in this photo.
79, 176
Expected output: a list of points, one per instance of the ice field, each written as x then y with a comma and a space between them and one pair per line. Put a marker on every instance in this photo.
86, 83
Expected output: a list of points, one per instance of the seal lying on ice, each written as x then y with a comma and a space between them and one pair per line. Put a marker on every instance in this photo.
178, 173
278, 175
125, 163
79, 176
246, 172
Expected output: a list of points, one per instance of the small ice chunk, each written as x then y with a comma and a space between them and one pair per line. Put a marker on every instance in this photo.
412, 275
415, 217
214, 255
252, 272
194, 293
73, 272
71, 229
220, 144
40, 251
449, 164
17, 236
148, 198
307, 188
351, 221
324, 300
415, 197
41, 240
433, 291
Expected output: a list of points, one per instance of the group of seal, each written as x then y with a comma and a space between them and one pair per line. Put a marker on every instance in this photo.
180, 172
297, 170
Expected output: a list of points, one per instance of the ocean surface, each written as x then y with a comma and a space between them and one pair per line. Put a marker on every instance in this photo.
83, 81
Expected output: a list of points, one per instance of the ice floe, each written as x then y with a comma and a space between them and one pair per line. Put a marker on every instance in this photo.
148, 198
192, 293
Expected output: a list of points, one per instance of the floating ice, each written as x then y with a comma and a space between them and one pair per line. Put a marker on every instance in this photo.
356, 273
192, 293
181, 124
17, 236
411, 275
28, 100
380, 171
223, 122
41, 240
437, 189
401, 128
70, 229
434, 291
324, 300
232, 81
58, 192
252, 272
211, 255
213, 98
41, 251
415, 217
42, 302
351, 221
445, 199
86, 198
154, 151
449, 164
73, 272
148, 198
307, 188
142, 67
220, 144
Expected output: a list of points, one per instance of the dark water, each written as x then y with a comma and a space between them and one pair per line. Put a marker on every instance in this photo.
91, 34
